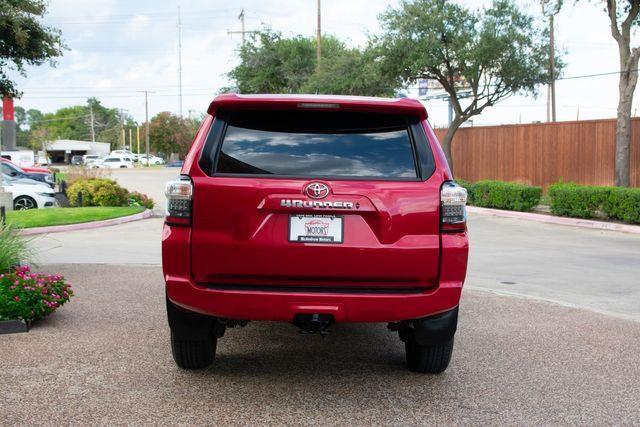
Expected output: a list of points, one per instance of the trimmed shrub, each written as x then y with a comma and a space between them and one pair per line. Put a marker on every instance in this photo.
584, 201
504, 195
109, 193
579, 201
97, 192
28, 296
623, 204
139, 199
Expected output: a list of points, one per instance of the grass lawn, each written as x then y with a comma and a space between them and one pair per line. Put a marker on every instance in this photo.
62, 216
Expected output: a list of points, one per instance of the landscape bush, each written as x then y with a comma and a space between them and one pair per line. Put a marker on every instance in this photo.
30, 296
623, 204
139, 199
97, 192
579, 201
584, 201
14, 249
503, 195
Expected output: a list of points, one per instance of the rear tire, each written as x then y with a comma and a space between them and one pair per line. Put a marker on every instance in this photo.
193, 353
432, 359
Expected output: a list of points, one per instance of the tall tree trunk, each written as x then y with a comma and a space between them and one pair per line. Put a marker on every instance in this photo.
627, 84
627, 87
448, 139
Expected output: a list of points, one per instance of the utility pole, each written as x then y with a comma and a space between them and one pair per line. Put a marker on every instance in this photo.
242, 31
179, 62
318, 38
146, 120
138, 140
122, 126
549, 9
130, 141
93, 129
241, 18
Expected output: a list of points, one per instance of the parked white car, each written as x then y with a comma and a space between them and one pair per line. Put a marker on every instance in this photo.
113, 162
89, 158
152, 160
29, 194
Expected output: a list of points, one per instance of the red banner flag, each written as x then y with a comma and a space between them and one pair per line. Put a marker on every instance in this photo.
7, 108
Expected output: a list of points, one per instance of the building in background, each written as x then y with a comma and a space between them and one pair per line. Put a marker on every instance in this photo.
62, 150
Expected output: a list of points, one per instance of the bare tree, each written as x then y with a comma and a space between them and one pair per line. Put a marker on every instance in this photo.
622, 16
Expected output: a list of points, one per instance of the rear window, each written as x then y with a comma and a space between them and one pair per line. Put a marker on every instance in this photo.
317, 144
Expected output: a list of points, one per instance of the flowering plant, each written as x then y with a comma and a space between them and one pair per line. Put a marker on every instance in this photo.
31, 296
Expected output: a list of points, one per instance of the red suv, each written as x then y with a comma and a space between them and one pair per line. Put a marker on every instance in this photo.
314, 210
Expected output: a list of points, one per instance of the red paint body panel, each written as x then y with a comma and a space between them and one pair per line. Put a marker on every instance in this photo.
239, 236
28, 169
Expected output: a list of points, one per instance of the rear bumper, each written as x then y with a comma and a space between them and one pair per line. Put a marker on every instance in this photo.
280, 305
283, 306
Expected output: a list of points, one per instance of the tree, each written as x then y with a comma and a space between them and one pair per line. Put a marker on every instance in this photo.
483, 55
170, 133
352, 72
623, 15
270, 63
24, 40
75, 123
25, 120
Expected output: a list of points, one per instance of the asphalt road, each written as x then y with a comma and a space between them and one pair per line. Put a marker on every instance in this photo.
597, 270
105, 359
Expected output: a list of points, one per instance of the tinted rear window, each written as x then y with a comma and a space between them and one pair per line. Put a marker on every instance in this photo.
317, 144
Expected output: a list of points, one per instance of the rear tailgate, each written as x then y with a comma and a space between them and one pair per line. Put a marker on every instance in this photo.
384, 218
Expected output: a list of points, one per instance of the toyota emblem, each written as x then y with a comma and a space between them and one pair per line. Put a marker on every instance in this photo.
316, 190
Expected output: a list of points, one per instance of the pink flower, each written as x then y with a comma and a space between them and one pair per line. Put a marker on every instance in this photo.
17, 298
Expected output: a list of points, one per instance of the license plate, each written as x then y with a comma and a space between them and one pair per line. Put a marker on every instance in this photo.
315, 228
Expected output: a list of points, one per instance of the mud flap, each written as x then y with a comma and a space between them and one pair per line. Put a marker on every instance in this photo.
435, 330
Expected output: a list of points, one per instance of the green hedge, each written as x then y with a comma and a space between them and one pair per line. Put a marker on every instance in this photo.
502, 195
584, 201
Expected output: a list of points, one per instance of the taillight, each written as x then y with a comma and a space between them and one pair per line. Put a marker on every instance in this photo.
453, 214
179, 194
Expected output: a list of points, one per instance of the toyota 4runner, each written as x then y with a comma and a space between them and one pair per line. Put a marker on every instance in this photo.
314, 210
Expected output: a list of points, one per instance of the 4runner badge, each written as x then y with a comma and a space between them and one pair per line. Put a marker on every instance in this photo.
297, 203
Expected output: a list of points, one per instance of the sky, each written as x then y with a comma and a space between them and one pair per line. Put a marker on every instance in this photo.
119, 48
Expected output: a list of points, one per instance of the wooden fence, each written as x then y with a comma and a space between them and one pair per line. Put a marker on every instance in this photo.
542, 153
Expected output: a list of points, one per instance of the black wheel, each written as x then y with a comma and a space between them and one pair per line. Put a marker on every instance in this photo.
24, 203
193, 337
189, 353
432, 359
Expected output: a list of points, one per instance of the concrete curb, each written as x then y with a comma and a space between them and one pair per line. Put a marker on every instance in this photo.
87, 225
559, 220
